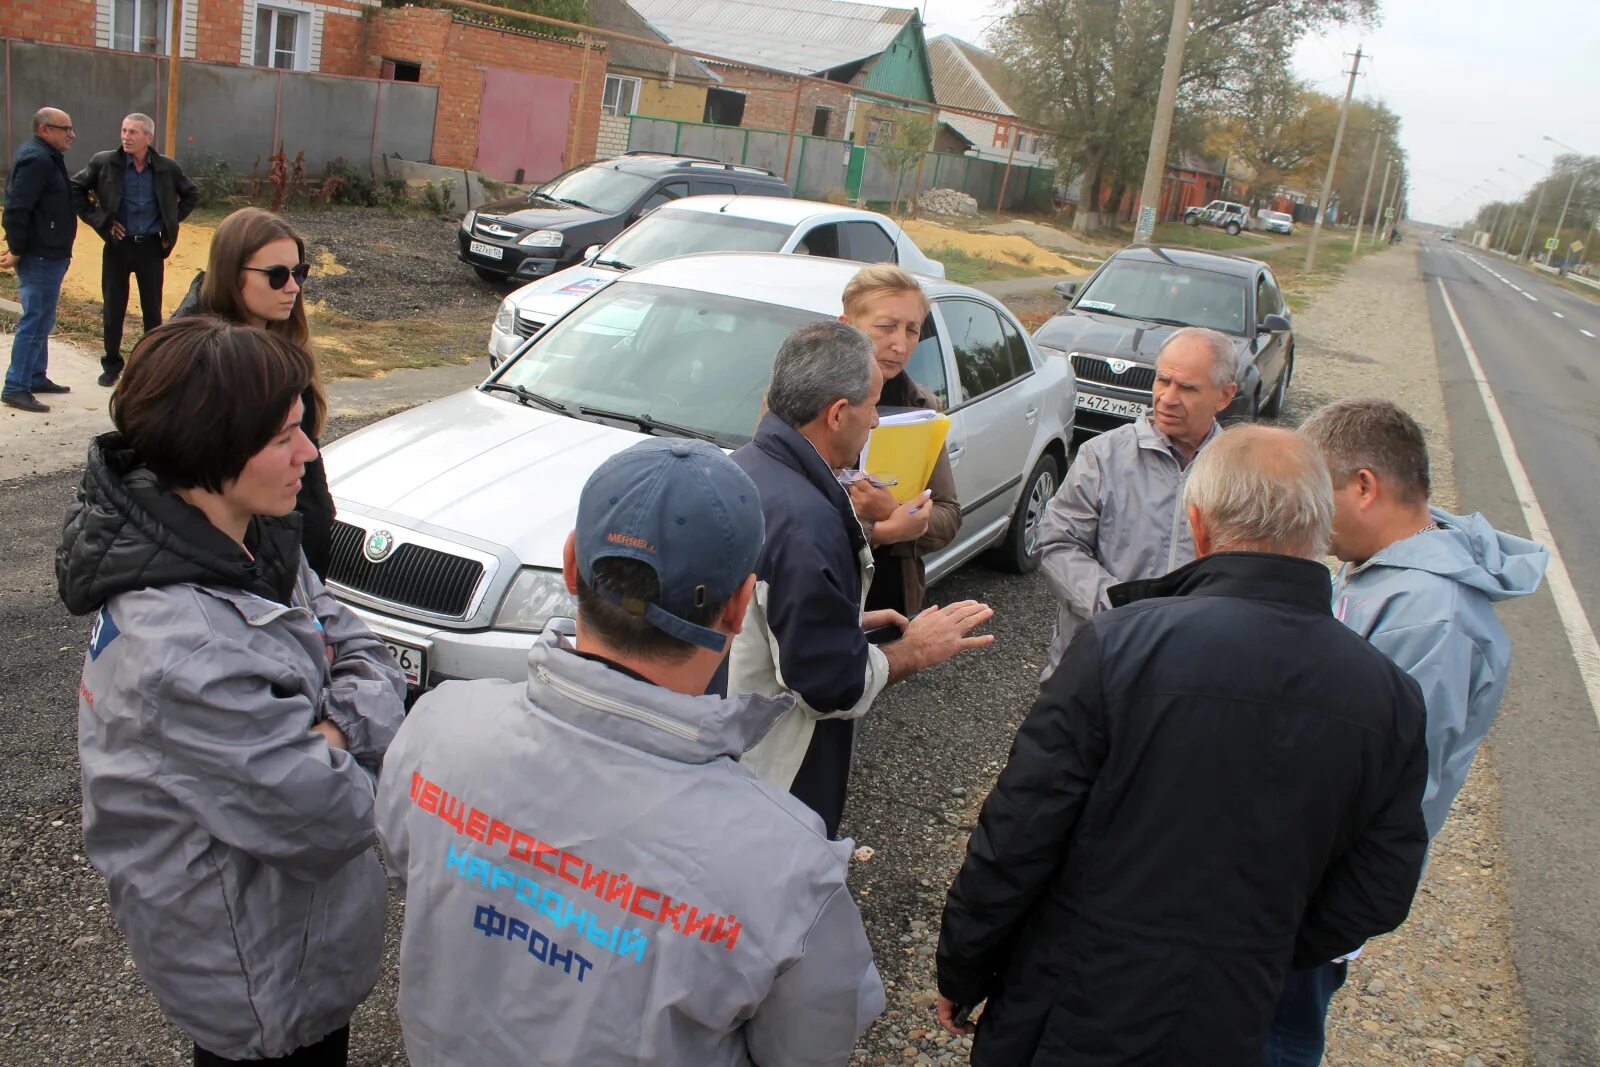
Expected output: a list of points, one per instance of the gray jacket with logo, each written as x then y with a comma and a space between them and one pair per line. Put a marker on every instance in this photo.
592, 878
236, 843
1118, 517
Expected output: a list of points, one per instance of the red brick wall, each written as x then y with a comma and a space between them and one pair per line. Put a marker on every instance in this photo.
454, 54
769, 100
219, 26
54, 21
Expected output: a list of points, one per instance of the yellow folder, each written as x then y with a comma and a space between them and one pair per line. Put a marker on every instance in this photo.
906, 445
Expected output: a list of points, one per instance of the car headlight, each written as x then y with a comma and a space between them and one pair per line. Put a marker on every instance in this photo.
505, 320
468, 219
542, 239
536, 596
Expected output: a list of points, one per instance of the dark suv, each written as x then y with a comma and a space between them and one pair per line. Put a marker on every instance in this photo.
547, 230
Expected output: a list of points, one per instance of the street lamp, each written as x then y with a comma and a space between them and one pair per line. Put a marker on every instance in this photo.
1568, 202
1538, 203
1512, 224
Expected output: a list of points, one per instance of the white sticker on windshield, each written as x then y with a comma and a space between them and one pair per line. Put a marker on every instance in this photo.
1097, 305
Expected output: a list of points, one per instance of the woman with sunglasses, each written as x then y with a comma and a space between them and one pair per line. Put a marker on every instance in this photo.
232, 715
254, 276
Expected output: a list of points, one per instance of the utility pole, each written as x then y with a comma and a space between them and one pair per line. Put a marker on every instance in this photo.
1383, 192
1361, 216
1533, 223
1156, 165
1511, 225
1333, 163
1550, 252
169, 143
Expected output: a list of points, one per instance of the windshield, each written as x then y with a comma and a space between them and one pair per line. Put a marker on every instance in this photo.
1143, 290
601, 188
666, 232
699, 360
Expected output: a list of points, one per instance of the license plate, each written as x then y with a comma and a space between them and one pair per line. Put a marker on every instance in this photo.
478, 248
1128, 409
413, 661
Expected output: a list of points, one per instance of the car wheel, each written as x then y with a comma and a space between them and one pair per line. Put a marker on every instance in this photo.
490, 275
1019, 552
1232, 228
1274, 405
1191, 220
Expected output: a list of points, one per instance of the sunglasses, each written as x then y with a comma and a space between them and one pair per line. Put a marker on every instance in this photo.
58, 126
278, 276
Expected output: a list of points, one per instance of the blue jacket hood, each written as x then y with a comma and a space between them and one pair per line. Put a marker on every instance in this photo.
1466, 549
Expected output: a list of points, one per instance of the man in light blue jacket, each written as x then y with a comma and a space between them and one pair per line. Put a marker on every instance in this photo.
591, 876
1421, 585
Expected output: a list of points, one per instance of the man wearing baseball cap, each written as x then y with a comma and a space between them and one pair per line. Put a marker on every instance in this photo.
590, 874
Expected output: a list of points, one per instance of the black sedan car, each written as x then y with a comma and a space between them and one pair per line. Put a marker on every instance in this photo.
1115, 323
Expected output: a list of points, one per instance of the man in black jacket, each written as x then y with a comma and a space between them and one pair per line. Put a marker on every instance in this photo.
134, 198
1221, 780
39, 229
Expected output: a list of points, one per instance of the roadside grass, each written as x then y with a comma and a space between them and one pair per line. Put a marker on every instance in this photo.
964, 268
1334, 255
1211, 239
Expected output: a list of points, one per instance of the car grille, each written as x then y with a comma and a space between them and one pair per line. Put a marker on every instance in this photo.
495, 230
1095, 369
526, 327
413, 576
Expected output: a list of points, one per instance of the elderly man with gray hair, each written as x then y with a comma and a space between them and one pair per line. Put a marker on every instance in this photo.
1218, 781
1118, 515
804, 632
134, 198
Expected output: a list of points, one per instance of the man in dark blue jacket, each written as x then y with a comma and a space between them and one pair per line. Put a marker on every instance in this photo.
134, 197
804, 631
39, 227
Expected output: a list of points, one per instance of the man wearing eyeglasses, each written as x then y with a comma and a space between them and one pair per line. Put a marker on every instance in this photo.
134, 197
39, 227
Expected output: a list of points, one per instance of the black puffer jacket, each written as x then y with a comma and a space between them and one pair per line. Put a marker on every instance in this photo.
1216, 783
125, 532
315, 502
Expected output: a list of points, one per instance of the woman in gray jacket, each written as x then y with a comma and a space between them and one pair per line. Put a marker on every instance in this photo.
232, 715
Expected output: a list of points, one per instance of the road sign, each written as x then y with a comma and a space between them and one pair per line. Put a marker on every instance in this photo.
1551, 244
1388, 213
1577, 246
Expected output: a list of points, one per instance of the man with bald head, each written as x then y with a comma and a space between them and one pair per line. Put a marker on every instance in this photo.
1220, 779
39, 227
1118, 515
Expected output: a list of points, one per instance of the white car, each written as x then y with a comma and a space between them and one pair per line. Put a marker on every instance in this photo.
707, 224
452, 516
1276, 221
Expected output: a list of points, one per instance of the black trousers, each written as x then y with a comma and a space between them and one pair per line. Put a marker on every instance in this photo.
331, 1051
142, 259
823, 781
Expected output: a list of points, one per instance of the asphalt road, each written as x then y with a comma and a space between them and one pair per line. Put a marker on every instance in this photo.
1539, 346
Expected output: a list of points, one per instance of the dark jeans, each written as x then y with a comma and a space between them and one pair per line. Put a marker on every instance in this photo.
331, 1051
1296, 1037
823, 780
142, 259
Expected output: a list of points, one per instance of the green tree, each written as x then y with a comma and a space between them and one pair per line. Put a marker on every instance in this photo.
913, 134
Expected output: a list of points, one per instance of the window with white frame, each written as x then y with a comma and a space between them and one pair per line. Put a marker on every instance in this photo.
621, 95
139, 25
281, 38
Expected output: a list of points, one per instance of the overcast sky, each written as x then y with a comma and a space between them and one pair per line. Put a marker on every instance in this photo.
1473, 86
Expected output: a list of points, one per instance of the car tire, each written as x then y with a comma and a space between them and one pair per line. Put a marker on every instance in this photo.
1019, 552
1232, 229
1191, 220
490, 275
1274, 405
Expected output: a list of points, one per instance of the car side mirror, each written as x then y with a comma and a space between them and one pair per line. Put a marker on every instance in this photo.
591, 253
1066, 290
1275, 324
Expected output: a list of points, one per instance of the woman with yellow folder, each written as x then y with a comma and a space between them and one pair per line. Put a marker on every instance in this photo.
887, 304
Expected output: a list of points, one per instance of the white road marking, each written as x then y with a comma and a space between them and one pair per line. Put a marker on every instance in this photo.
1580, 635
1558, 314
1586, 333
1530, 296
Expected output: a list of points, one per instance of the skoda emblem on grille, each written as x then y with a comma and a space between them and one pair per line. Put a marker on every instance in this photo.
1118, 366
378, 545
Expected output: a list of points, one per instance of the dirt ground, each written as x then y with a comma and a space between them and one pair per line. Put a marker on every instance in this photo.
1005, 248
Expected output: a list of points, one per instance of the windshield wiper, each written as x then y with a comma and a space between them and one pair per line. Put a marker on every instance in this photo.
1162, 321
532, 193
526, 396
576, 203
617, 263
646, 423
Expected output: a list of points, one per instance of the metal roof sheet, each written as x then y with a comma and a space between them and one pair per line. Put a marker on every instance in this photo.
619, 16
957, 81
802, 36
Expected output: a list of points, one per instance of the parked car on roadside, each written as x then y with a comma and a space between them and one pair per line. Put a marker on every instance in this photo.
1277, 221
548, 229
1226, 214
1115, 323
708, 224
452, 516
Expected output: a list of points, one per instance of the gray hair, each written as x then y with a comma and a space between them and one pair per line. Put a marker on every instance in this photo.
44, 115
817, 364
1224, 358
1265, 489
1376, 435
146, 121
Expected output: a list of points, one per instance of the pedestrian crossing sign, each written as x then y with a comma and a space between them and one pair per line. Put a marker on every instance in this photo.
1551, 244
